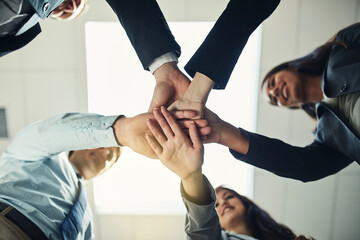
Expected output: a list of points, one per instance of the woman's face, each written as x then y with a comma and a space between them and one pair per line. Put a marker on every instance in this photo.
229, 208
284, 88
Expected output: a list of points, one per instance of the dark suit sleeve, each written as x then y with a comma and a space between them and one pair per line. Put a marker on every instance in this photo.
309, 163
146, 28
221, 49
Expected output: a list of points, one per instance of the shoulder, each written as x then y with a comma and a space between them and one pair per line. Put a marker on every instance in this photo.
350, 34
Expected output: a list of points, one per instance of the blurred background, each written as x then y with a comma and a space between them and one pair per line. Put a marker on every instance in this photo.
53, 75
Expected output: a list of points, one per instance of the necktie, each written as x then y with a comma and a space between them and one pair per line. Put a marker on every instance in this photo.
74, 221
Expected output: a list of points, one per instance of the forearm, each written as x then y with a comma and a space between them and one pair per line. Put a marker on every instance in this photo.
309, 163
146, 28
199, 88
196, 190
202, 221
233, 138
218, 54
65, 132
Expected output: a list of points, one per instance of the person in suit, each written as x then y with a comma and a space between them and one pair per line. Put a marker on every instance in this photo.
42, 194
210, 66
324, 83
19, 19
219, 215
154, 43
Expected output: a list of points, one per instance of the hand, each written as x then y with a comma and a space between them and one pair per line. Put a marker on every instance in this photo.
171, 84
188, 104
175, 150
131, 131
216, 125
195, 96
224, 133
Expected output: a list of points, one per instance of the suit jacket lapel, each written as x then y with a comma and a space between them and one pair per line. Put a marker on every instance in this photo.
12, 43
333, 132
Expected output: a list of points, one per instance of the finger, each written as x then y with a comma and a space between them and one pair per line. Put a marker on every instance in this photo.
180, 114
198, 122
194, 136
204, 131
172, 122
156, 132
154, 145
163, 123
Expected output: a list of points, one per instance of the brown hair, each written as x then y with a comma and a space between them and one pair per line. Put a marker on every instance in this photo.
261, 224
311, 64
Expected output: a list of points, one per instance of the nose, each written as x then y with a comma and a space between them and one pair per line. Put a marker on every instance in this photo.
274, 92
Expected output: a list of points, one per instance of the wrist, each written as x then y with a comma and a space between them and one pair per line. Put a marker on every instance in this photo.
167, 71
192, 177
199, 88
233, 138
119, 127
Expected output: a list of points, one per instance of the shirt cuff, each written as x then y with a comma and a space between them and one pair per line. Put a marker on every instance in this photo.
165, 58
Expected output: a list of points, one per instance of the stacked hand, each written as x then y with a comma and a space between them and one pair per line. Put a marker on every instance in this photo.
131, 131
171, 84
175, 150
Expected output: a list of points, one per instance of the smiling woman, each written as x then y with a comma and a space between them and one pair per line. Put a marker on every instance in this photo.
326, 84
240, 216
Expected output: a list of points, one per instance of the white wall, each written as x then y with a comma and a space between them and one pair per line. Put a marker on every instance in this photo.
49, 76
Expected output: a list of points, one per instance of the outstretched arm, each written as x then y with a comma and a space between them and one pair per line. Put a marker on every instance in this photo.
184, 157
308, 163
155, 46
178, 153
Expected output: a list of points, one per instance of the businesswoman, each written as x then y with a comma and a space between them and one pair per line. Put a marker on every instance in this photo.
220, 215
324, 83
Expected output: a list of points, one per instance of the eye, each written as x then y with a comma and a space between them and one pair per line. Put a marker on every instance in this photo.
216, 205
229, 196
272, 82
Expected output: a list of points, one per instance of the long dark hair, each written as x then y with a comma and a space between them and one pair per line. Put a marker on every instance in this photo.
261, 224
311, 64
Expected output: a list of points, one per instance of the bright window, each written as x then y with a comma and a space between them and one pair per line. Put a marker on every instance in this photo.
117, 84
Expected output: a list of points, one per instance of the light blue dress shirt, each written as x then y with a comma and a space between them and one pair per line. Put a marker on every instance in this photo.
36, 176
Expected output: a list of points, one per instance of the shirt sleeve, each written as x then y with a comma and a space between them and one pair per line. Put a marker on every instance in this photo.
202, 221
65, 132
309, 163
158, 62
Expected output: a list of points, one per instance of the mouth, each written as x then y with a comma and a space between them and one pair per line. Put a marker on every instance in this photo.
284, 92
226, 209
